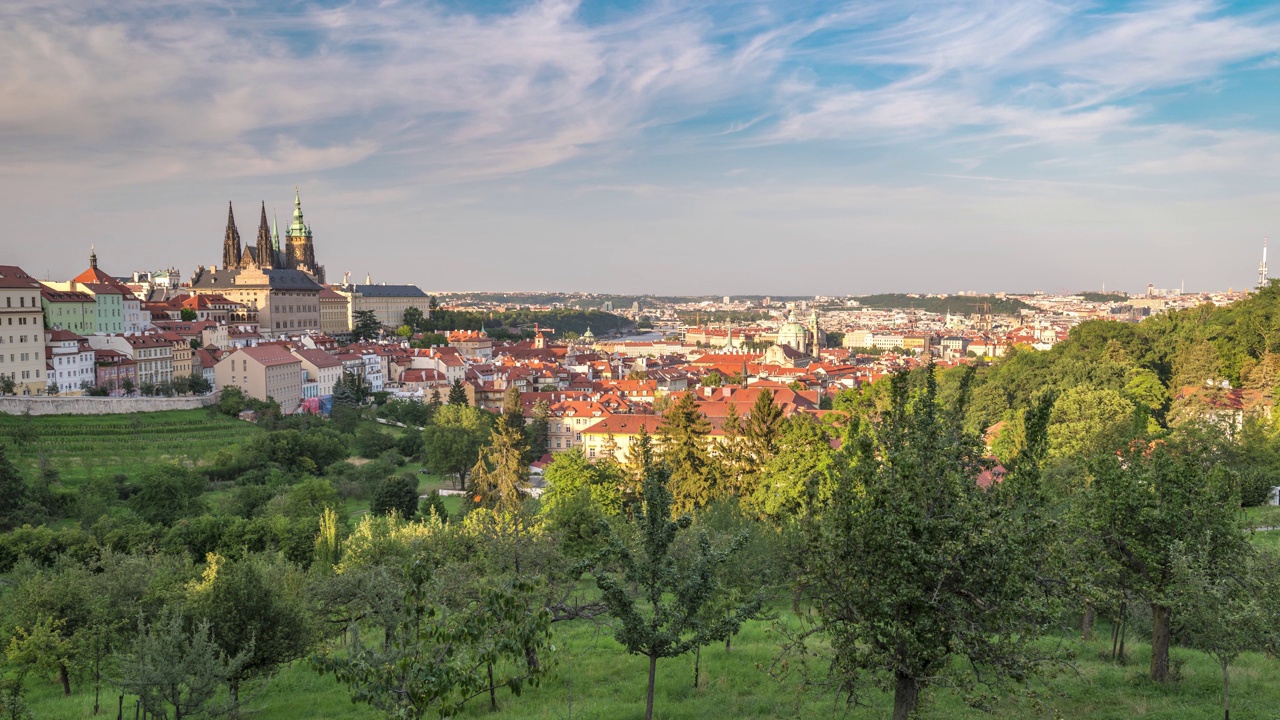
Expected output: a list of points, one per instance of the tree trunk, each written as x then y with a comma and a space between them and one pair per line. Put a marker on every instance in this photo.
1086, 624
120, 709
653, 672
493, 694
1161, 621
697, 666
906, 694
97, 688
65, 679
728, 643
1226, 695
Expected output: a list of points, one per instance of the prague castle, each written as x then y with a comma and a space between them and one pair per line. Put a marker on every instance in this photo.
280, 285
298, 252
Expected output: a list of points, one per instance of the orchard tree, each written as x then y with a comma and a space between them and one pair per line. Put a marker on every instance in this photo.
915, 568
176, 672
453, 440
1143, 504
13, 493
661, 603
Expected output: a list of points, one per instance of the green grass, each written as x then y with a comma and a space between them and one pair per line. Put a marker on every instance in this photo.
593, 676
81, 447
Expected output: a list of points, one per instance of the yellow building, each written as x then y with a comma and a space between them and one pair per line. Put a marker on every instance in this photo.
388, 302
22, 357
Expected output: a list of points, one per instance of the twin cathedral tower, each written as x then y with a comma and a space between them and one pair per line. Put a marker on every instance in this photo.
297, 253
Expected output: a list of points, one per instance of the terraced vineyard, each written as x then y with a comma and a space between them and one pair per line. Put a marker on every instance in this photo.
83, 446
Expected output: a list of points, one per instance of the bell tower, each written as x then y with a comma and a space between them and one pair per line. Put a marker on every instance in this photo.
301, 254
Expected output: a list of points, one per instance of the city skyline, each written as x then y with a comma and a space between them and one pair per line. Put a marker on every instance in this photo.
717, 148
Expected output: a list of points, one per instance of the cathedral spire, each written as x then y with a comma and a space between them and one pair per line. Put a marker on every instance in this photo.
93, 257
266, 255
231, 242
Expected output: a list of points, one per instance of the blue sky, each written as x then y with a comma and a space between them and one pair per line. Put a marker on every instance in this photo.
695, 147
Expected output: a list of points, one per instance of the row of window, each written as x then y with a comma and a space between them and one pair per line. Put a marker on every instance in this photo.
22, 301
26, 375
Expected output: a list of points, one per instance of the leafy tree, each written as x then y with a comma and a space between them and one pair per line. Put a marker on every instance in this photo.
1197, 365
44, 646
13, 492
255, 611
365, 325
7, 385
1225, 608
166, 493
350, 390
127, 386
176, 672
453, 440
433, 504
712, 379
571, 473
1086, 420
684, 435
232, 401
396, 493
188, 314
914, 566
659, 602
1144, 504
13, 705
198, 384
798, 473
413, 317
51, 388
458, 394
538, 430
439, 655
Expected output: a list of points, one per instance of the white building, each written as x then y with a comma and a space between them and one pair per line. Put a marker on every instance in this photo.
70, 361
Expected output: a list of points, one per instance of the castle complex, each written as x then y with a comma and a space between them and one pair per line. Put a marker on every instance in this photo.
298, 252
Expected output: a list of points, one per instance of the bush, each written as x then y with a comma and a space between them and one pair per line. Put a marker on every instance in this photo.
371, 442
396, 493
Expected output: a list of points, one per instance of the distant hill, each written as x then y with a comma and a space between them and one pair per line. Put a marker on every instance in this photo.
954, 304
1103, 297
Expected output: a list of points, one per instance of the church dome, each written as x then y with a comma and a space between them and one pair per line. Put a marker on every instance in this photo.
793, 334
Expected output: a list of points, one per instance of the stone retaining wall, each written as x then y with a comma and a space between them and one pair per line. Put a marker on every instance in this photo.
21, 404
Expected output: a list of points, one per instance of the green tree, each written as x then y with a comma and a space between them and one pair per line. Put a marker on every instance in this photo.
51, 388
1225, 607
439, 655
396, 493
798, 473
538, 430
13, 492
1144, 504
659, 602
198, 384
571, 473
513, 410
413, 317
684, 434
365, 325
1088, 420
457, 394
231, 401
7, 385
453, 440
44, 646
433, 504
350, 390
173, 671
500, 478
763, 425
914, 567
166, 493
188, 314
255, 610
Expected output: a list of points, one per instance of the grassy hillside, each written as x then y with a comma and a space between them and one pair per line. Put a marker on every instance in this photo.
954, 304
82, 446
593, 679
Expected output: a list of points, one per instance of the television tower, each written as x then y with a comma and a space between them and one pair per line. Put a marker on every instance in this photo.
1262, 267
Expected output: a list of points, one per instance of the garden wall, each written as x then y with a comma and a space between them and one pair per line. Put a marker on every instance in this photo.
21, 404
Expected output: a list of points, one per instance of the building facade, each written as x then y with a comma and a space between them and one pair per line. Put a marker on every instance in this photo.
387, 302
267, 371
22, 353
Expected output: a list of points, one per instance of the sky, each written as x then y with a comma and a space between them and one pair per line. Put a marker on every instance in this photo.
730, 146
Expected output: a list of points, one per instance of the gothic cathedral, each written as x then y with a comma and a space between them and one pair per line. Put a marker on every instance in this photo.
297, 254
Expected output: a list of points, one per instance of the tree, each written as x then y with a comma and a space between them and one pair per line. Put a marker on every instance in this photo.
659, 602
433, 505
127, 386
13, 492
232, 401
458, 394
395, 494
350, 390
46, 646
166, 493
453, 440
712, 379
538, 431
513, 410
7, 384
797, 474
914, 566
1088, 420
684, 435
404, 331
198, 384
500, 478
365, 325
441, 655
255, 611
762, 427
1223, 607
413, 317
188, 314
1148, 501
167, 667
